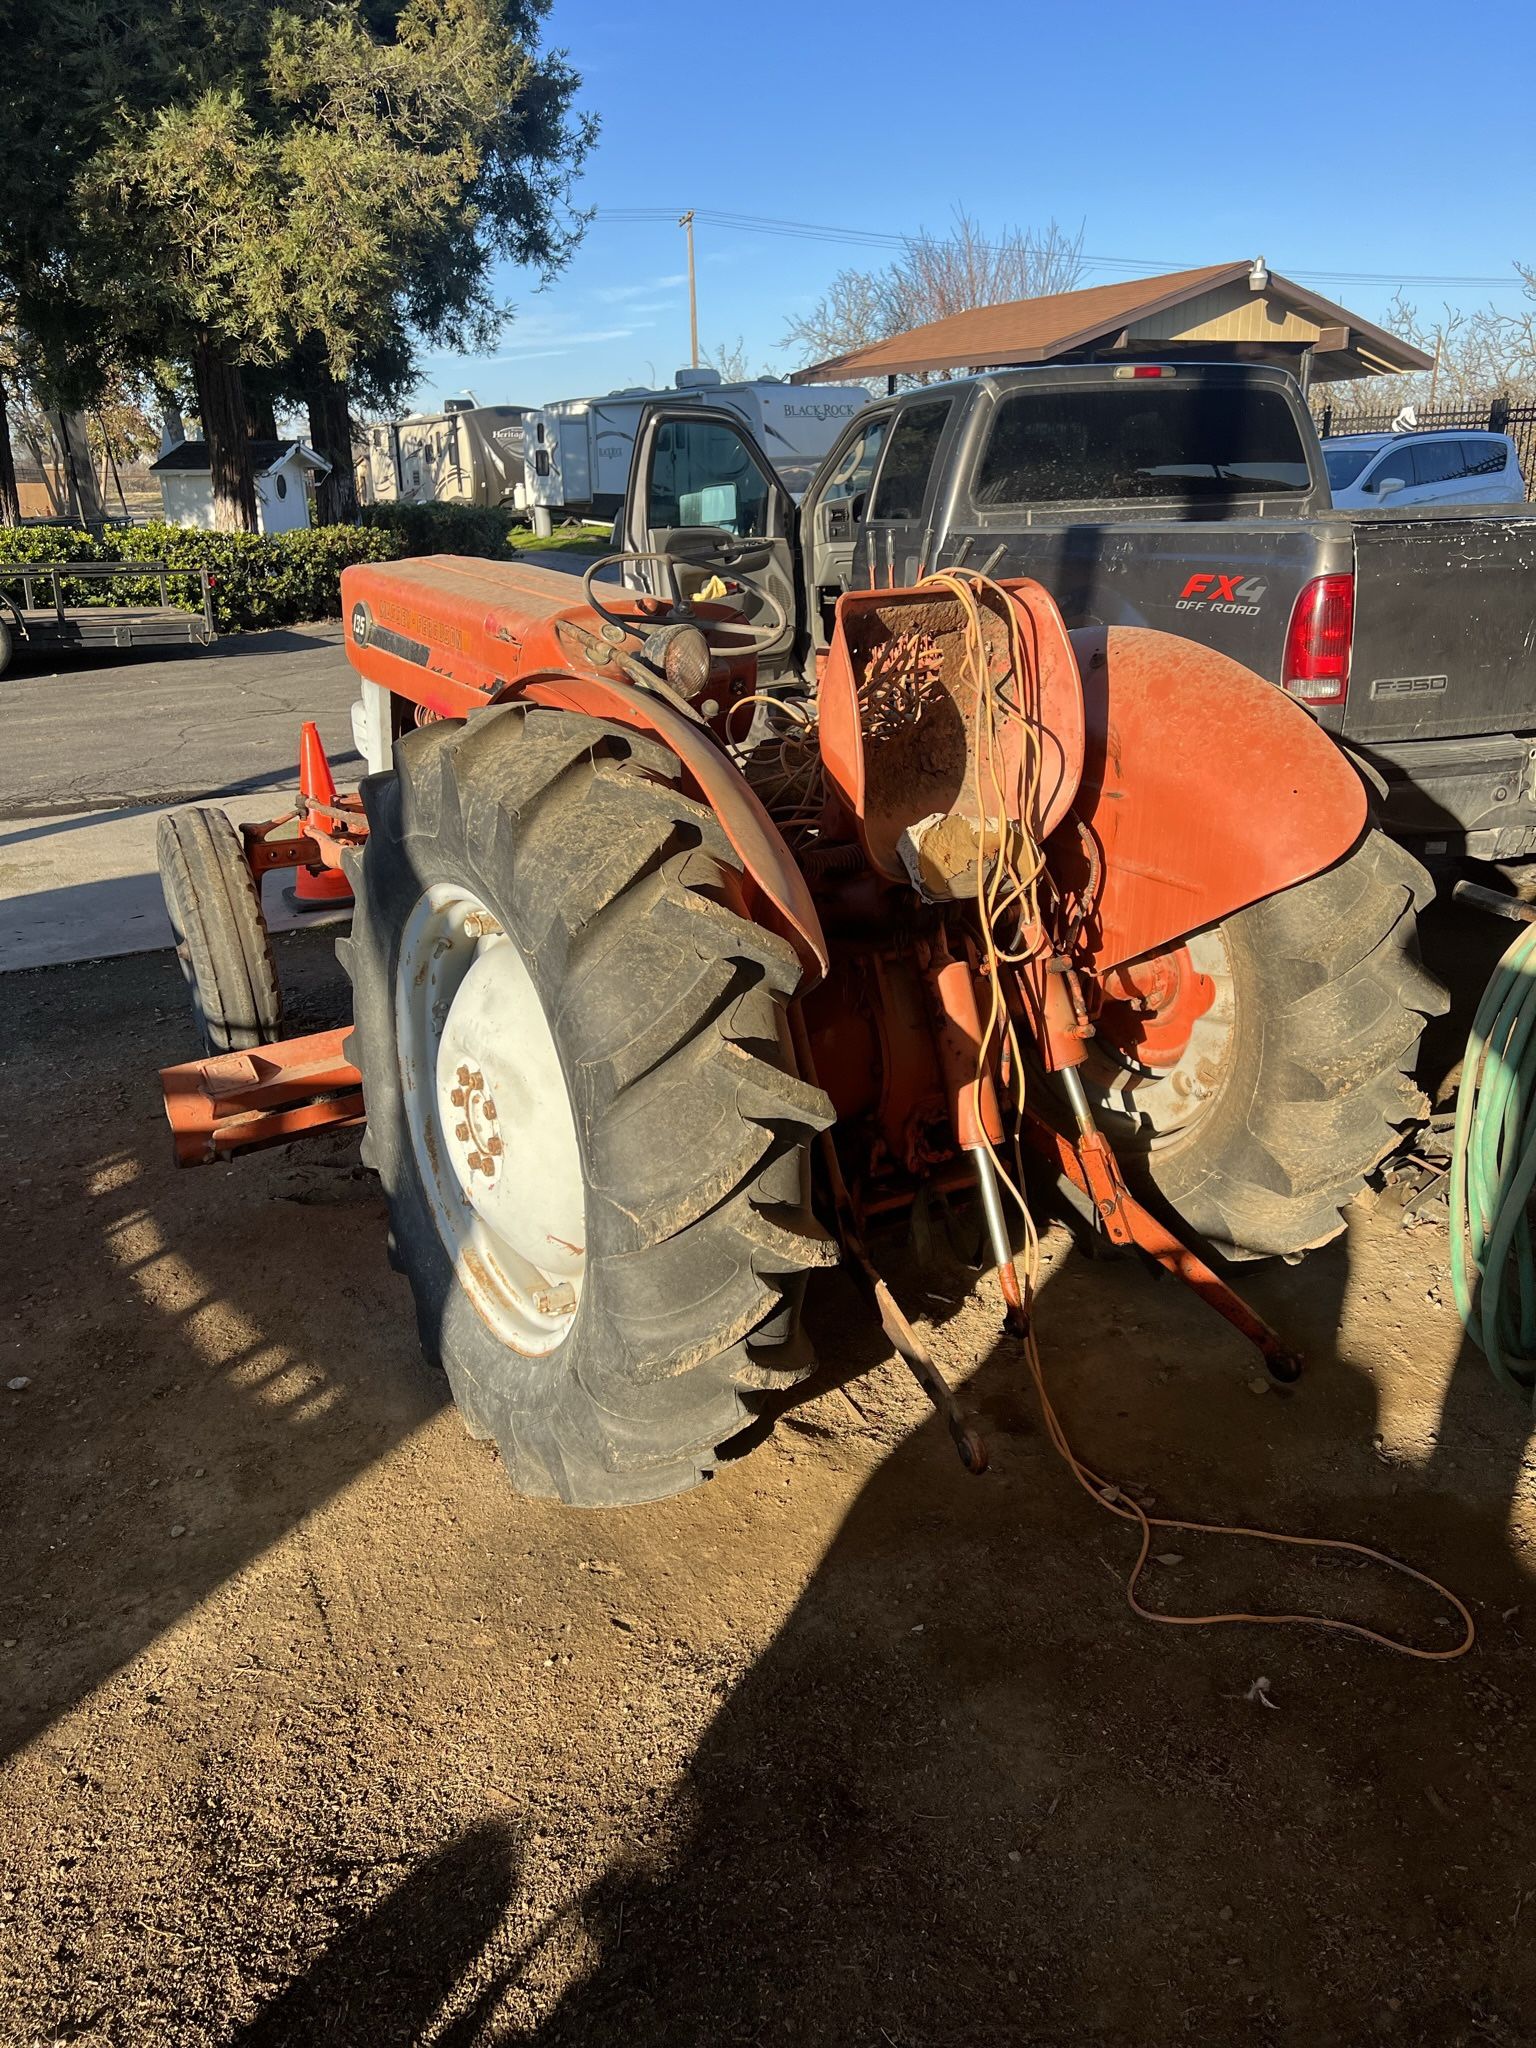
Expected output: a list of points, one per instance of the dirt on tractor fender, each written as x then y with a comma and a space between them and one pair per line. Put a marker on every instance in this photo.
315, 1734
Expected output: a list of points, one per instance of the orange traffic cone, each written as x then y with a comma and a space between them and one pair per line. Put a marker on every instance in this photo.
318, 888
315, 778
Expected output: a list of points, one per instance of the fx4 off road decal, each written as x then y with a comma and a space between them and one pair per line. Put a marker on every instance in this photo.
1238, 595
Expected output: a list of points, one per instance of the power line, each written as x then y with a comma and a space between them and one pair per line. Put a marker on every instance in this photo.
874, 238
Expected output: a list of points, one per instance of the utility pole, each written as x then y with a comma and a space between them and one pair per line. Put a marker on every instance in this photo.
1434, 375
686, 221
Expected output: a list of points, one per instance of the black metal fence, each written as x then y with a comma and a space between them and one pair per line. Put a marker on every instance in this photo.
1497, 416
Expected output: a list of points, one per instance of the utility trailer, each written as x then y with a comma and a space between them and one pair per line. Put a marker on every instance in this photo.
34, 617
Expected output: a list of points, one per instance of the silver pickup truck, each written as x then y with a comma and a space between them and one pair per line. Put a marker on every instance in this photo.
1190, 497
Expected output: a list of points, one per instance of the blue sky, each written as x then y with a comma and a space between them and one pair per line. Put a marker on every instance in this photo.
1375, 139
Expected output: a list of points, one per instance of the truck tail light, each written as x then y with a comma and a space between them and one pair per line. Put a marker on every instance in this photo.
1316, 666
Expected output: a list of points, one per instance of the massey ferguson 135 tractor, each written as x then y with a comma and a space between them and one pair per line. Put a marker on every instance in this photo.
667, 991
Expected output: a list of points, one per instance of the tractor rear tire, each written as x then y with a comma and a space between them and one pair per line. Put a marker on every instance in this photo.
582, 1100
222, 941
1328, 1001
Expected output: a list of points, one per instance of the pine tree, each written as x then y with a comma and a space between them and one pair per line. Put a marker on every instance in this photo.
309, 190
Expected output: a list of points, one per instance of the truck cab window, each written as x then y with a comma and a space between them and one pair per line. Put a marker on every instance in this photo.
704, 474
914, 442
851, 477
1140, 440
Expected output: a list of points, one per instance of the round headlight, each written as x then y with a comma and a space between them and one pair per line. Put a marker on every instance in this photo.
682, 655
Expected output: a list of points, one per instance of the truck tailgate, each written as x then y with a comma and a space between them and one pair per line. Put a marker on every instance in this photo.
1445, 626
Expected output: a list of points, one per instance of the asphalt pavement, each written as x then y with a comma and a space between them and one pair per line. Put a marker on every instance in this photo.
96, 752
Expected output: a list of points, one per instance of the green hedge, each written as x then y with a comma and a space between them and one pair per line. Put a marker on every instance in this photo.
443, 529
282, 579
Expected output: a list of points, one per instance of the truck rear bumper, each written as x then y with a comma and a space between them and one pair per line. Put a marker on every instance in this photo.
1475, 796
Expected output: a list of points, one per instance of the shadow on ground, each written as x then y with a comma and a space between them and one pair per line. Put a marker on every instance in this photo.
199, 1371
387, 1978
966, 1797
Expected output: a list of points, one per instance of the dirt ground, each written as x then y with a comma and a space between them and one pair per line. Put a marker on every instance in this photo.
315, 1734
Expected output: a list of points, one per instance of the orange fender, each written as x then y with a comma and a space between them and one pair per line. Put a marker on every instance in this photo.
1205, 788
788, 907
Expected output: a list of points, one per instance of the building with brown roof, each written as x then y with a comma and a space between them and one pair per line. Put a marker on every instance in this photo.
1225, 312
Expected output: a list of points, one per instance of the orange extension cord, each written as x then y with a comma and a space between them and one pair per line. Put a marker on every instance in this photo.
1013, 884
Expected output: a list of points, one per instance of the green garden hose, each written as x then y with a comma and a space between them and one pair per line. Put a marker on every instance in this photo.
1493, 1166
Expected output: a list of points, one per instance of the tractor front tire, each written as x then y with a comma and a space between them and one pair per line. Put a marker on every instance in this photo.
1304, 1070
222, 942
582, 1100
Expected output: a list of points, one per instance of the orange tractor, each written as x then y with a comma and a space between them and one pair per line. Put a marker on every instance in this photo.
666, 989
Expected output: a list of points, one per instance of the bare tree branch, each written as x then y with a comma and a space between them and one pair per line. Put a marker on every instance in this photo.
1481, 355
932, 278
730, 359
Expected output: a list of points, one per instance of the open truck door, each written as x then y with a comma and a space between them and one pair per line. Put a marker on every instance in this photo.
830, 513
704, 500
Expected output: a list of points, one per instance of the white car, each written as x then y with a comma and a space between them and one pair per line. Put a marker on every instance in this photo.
1424, 468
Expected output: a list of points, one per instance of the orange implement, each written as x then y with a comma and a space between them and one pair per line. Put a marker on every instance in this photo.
238, 1101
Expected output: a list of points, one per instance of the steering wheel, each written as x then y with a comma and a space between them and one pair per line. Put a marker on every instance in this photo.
675, 609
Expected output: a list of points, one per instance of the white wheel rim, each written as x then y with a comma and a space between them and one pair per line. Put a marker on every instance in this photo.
1165, 1103
491, 1119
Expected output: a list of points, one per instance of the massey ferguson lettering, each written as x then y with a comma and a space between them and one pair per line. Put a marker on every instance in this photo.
1237, 595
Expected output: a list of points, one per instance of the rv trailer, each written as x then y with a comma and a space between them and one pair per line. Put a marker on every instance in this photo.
578, 450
